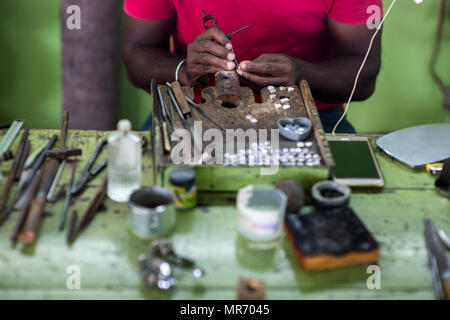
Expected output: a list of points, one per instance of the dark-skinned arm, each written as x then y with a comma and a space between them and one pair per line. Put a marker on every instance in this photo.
331, 81
147, 55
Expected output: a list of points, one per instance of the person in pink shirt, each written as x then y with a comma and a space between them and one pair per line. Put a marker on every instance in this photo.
322, 41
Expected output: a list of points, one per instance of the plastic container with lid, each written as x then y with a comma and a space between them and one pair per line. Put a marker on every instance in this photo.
124, 162
184, 187
260, 214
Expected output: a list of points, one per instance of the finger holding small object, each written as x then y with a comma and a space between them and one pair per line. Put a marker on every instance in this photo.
211, 47
261, 80
215, 34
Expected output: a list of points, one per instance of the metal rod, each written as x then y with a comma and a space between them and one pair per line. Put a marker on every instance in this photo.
68, 198
23, 217
72, 227
203, 113
164, 108
33, 156
23, 157
11, 135
174, 101
239, 30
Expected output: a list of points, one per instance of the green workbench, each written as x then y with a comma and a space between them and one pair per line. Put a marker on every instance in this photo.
106, 252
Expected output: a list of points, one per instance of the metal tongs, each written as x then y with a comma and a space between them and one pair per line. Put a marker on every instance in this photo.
156, 267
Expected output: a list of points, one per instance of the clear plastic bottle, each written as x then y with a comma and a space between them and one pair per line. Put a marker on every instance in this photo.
124, 162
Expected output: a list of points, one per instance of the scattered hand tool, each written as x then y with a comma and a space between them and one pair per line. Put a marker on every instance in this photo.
10, 136
87, 174
31, 228
21, 221
210, 21
203, 113
60, 155
165, 112
442, 184
23, 157
14, 169
156, 266
5, 126
182, 106
165, 133
8, 140
91, 211
68, 199
24, 186
62, 145
251, 289
437, 258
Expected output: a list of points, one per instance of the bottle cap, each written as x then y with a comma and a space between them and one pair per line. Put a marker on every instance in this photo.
124, 125
182, 177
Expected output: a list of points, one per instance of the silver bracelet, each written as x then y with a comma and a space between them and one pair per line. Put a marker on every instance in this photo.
178, 68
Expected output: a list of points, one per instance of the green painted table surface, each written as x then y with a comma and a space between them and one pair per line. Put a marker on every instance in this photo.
106, 252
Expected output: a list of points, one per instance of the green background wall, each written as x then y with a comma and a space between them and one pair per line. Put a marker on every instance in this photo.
30, 69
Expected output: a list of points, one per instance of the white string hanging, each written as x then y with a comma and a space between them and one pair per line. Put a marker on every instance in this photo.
362, 67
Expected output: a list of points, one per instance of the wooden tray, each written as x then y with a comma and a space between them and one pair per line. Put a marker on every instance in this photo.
231, 178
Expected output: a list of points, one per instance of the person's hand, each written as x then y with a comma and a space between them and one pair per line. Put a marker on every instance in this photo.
210, 52
270, 69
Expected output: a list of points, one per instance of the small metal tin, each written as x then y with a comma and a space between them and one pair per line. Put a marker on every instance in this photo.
184, 187
151, 212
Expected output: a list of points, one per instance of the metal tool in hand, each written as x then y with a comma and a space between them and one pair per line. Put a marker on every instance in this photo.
35, 154
210, 21
87, 174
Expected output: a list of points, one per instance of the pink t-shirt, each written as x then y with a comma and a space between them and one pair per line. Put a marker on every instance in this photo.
294, 27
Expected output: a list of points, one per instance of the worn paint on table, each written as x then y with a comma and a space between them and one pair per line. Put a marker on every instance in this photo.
106, 252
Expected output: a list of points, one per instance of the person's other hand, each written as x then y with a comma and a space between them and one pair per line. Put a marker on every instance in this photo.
210, 52
270, 69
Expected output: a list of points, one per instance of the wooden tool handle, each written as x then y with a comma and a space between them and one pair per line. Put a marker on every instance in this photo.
28, 235
31, 227
181, 99
166, 138
23, 158
22, 219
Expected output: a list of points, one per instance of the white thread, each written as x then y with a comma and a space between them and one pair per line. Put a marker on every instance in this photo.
362, 67
178, 68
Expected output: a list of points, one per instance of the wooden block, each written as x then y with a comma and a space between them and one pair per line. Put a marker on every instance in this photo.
330, 239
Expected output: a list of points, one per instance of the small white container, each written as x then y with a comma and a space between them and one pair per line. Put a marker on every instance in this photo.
260, 213
124, 162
